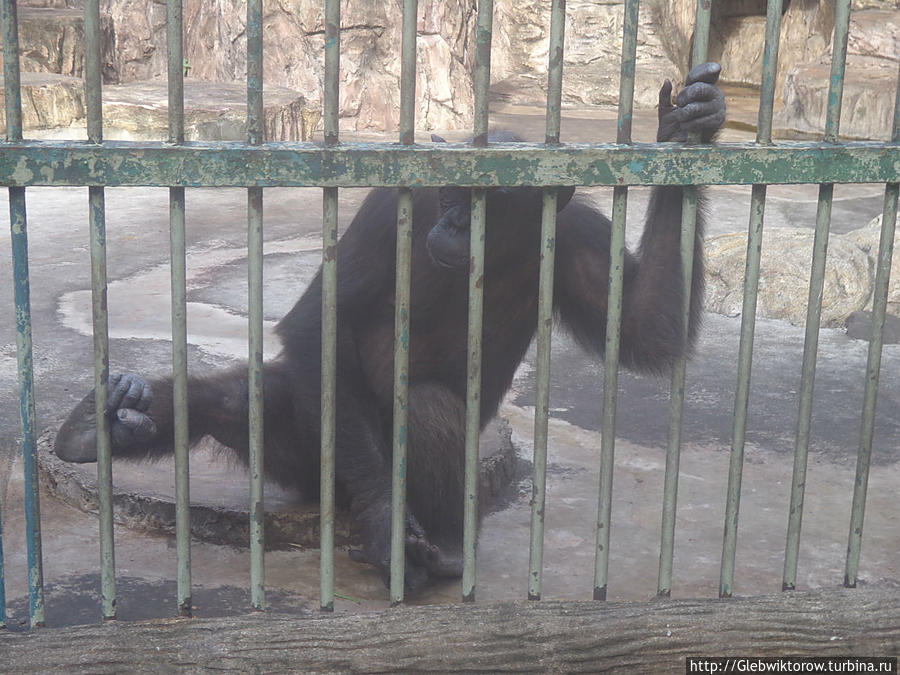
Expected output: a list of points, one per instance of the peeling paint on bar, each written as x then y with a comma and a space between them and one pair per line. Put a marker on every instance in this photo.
391, 165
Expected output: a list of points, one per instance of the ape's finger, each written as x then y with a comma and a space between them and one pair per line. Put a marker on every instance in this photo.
146, 398
132, 426
665, 96
133, 395
699, 91
705, 72
117, 388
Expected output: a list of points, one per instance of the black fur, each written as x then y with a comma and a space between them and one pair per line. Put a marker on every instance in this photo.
652, 337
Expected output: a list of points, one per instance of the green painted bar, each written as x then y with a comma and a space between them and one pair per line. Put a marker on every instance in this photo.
21, 283
255, 306
814, 304
838, 68
97, 220
402, 309
482, 80
119, 163
255, 133
748, 312
769, 72
22, 292
873, 367
610, 389
180, 399
742, 392
332, 70
329, 308
545, 307
473, 390
542, 396
175, 55
401, 393
329, 359
482, 76
676, 402
12, 80
93, 82
614, 306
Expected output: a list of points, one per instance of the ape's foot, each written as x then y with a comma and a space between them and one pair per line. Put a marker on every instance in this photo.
128, 402
432, 558
424, 560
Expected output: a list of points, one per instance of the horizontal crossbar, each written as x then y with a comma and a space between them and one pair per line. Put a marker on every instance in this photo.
119, 163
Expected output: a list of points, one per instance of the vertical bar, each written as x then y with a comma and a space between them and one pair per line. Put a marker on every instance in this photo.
814, 306
11, 76
174, 32
97, 219
873, 366
19, 232
93, 95
614, 307
545, 307
748, 313
255, 253
402, 308
676, 400
329, 309
21, 282
482, 80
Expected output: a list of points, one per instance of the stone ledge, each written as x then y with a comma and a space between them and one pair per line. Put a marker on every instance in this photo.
144, 494
53, 105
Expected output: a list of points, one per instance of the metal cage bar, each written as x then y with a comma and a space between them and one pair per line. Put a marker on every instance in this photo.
402, 308
748, 311
255, 136
329, 309
175, 55
814, 304
482, 80
97, 219
676, 397
614, 306
18, 223
545, 307
387, 164
873, 364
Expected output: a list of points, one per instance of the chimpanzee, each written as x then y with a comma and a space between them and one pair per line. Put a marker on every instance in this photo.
652, 337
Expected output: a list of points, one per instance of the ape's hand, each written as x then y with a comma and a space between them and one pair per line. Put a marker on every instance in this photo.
128, 403
699, 107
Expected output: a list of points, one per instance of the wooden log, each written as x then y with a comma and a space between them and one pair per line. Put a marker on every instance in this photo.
544, 636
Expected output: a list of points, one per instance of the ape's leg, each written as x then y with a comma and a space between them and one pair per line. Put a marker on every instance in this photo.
434, 481
436, 476
141, 417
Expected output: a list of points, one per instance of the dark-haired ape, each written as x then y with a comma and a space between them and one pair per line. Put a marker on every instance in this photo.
652, 337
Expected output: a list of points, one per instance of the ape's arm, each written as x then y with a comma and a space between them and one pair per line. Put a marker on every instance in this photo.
652, 321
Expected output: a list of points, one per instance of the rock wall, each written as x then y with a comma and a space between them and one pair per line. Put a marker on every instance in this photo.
293, 34
593, 49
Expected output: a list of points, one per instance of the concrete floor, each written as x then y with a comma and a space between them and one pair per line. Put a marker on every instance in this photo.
138, 302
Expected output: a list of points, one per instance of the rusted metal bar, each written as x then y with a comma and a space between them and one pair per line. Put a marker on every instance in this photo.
614, 307
329, 309
814, 303
402, 309
545, 307
873, 365
748, 312
195, 164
